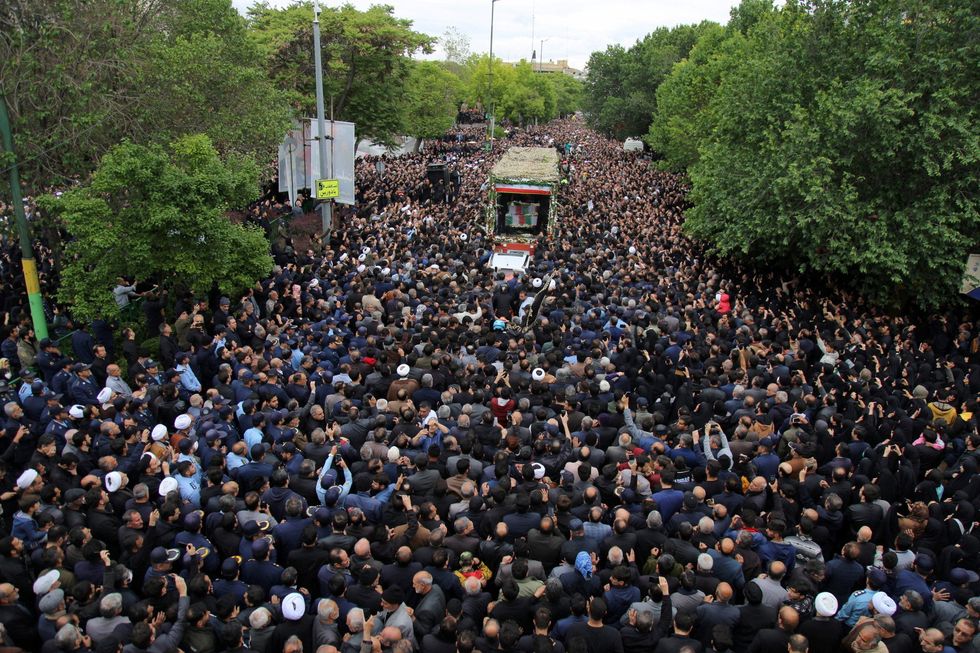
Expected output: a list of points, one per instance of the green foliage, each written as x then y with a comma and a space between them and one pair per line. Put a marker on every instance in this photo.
520, 94
620, 92
682, 121
155, 214
487, 85
79, 75
530, 97
365, 58
432, 96
568, 94
840, 139
748, 13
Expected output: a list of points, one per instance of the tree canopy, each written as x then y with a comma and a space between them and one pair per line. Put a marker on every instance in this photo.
834, 137
620, 92
154, 213
79, 75
431, 100
365, 57
520, 94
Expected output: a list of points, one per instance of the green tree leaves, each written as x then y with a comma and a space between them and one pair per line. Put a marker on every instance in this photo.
835, 137
432, 96
620, 92
365, 61
81, 75
521, 94
156, 214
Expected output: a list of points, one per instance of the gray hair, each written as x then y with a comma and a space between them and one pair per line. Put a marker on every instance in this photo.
472, 586
644, 621
327, 609
355, 620
367, 452
68, 637
111, 605
615, 555
655, 520
885, 622
706, 525
260, 618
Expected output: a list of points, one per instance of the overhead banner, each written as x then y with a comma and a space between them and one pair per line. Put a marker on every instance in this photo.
340, 157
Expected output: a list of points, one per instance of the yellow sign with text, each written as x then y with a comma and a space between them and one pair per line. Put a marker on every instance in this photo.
327, 189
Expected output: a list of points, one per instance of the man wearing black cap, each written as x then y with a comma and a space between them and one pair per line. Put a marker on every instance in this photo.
915, 579
394, 613
228, 582
260, 570
48, 359
83, 390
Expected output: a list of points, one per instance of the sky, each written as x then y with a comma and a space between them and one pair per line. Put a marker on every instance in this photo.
573, 29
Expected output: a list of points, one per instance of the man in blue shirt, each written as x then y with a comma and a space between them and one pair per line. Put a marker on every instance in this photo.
668, 499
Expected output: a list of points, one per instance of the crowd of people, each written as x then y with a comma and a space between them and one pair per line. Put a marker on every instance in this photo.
362, 454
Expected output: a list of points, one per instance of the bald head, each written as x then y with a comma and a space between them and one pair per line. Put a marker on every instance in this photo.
723, 593
789, 618
727, 546
362, 548
864, 534
777, 570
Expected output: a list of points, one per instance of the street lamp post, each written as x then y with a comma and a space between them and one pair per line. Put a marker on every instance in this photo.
492, 107
541, 54
326, 207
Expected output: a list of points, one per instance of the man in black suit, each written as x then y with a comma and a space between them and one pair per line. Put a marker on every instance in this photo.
753, 617
17, 619
681, 637
776, 639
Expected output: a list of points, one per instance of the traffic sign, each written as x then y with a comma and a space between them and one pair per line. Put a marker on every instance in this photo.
327, 189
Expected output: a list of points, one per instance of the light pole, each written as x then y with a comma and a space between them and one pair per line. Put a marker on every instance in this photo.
541, 53
326, 207
26, 251
492, 116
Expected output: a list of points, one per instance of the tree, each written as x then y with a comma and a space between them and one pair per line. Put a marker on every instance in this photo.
682, 121
365, 61
620, 92
478, 82
568, 94
79, 75
529, 97
843, 141
151, 213
432, 96
748, 13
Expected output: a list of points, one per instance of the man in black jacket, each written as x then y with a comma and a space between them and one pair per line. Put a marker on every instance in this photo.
776, 639
640, 635
754, 616
21, 625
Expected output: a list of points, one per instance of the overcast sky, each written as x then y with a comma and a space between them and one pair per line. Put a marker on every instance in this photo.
573, 28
